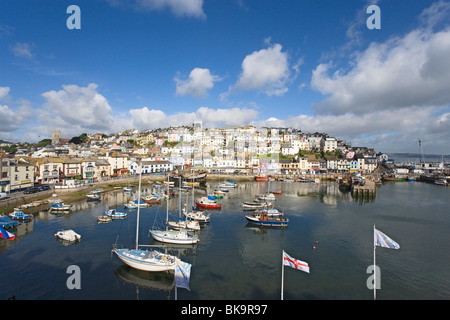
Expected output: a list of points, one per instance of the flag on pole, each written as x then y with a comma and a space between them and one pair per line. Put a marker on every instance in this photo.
383, 240
295, 263
5, 234
182, 274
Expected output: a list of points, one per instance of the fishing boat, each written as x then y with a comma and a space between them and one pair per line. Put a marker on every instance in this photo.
266, 220
197, 215
93, 196
60, 206
114, 214
19, 215
441, 182
208, 202
145, 260
151, 199
271, 212
261, 178
68, 235
104, 218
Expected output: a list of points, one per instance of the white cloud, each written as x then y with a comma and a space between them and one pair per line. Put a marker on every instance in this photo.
413, 70
76, 109
4, 92
266, 70
189, 8
22, 50
12, 118
197, 84
145, 118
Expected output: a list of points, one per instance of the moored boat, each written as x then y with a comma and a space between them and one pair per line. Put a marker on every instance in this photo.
68, 235
208, 202
114, 214
60, 206
19, 215
266, 220
104, 218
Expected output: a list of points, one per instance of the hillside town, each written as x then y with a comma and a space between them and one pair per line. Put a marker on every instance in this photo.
230, 150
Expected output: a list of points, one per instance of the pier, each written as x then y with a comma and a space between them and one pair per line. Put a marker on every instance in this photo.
368, 189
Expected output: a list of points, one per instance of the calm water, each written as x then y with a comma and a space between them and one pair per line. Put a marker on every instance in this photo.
237, 261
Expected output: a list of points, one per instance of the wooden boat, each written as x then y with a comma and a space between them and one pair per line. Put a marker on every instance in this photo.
104, 218
151, 199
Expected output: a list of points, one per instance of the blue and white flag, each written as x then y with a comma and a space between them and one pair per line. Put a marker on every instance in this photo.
182, 274
383, 240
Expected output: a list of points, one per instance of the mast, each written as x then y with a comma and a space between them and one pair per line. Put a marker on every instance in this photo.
374, 266
139, 206
167, 206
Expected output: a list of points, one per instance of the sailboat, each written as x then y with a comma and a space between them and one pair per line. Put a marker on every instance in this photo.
181, 236
145, 260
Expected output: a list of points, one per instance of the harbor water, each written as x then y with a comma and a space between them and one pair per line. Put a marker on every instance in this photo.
330, 230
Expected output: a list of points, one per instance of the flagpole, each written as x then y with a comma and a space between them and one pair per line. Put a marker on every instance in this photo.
374, 265
282, 273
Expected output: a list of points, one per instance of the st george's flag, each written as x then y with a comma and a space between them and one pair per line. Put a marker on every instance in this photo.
295, 263
383, 240
5, 234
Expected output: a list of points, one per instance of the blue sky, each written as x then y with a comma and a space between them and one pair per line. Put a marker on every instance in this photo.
312, 65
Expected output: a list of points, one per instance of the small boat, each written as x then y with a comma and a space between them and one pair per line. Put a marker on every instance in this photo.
216, 196
228, 184
19, 215
104, 218
271, 212
441, 182
208, 202
174, 236
197, 215
127, 189
266, 220
255, 204
184, 224
276, 192
267, 196
151, 199
130, 205
93, 196
114, 214
68, 235
219, 192
261, 178
60, 206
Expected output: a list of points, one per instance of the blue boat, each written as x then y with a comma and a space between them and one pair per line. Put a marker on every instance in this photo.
7, 222
265, 220
19, 215
114, 214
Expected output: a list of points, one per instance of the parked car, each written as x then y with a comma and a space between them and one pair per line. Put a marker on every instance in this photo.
44, 187
31, 190
2, 195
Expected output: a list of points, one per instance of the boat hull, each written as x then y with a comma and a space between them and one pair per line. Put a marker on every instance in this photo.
208, 205
267, 223
136, 259
173, 237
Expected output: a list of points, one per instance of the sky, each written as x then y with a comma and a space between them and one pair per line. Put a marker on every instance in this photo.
311, 65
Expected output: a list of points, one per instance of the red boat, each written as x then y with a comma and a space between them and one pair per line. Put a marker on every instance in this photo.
261, 178
151, 199
276, 192
208, 203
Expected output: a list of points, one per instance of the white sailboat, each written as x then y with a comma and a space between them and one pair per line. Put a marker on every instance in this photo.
181, 236
145, 260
